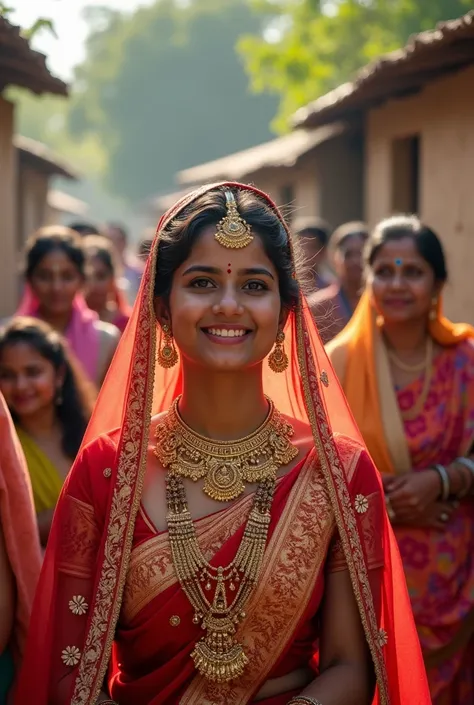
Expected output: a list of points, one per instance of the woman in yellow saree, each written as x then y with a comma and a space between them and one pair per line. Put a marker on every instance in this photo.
50, 400
408, 374
222, 538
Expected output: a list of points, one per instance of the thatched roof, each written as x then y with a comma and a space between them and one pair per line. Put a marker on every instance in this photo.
39, 157
425, 57
281, 152
63, 202
21, 66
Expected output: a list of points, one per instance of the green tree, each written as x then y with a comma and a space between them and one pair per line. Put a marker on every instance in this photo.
164, 89
309, 47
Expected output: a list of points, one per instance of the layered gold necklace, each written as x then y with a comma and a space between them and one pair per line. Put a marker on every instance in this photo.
224, 465
218, 656
218, 594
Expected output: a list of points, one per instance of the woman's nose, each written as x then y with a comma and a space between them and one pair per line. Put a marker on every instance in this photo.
228, 303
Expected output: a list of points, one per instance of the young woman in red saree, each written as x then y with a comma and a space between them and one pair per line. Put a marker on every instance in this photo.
300, 563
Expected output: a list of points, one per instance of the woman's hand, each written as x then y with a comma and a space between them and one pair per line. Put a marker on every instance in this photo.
436, 516
412, 494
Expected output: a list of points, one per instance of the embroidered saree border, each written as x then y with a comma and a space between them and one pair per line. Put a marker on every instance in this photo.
341, 504
124, 508
292, 562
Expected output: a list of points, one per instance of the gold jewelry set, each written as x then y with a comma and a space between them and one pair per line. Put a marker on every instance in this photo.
234, 233
218, 595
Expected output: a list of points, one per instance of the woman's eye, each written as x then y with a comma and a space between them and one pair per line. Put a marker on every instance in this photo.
413, 272
383, 272
201, 284
255, 286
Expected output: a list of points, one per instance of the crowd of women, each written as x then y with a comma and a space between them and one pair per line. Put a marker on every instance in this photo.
251, 515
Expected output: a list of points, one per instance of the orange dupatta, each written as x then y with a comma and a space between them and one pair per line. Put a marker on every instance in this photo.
134, 389
360, 361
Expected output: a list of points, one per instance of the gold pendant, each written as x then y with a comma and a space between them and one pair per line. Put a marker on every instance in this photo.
223, 482
218, 656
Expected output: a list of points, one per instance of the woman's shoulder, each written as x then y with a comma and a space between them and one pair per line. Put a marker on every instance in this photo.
465, 349
94, 468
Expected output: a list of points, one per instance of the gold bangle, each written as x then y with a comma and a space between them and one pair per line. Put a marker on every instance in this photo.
304, 700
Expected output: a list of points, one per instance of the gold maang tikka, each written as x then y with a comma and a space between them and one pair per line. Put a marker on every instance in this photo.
232, 231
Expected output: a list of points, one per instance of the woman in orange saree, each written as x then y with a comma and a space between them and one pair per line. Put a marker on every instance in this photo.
408, 374
116, 616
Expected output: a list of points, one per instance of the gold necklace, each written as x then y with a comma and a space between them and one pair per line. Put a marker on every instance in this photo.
417, 408
224, 465
405, 366
218, 656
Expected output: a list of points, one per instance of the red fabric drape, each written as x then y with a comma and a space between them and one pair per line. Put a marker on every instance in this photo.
135, 387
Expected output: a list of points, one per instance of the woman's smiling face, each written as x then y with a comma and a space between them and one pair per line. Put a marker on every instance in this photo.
224, 305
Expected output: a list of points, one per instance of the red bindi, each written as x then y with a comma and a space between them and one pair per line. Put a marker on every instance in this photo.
229, 270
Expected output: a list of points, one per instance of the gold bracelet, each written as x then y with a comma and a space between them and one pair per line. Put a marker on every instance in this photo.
304, 700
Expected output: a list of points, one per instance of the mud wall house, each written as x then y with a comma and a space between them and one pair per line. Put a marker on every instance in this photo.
305, 172
416, 106
36, 165
19, 66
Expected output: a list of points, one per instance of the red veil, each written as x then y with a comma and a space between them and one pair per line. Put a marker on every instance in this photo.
134, 389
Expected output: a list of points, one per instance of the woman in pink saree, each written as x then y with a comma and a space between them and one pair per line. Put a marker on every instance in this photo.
55, 276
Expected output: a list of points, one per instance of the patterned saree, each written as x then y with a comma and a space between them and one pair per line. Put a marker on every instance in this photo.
438, 565
109, 611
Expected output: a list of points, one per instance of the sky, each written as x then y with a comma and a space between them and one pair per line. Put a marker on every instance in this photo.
67, 50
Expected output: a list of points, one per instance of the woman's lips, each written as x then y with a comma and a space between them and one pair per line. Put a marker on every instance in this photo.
397, 302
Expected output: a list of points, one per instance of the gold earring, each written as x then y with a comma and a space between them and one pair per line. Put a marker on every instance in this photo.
167, 356
433, 314
379, 321
278, 359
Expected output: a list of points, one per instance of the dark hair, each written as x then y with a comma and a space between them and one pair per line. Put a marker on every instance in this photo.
179, 236
426, 241
345, 231
51, 239
77, 394
84, 228
144, 247
100, 247
313, 227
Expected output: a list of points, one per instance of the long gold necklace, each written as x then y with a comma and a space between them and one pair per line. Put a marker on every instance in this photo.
418, 406
225, 465
218, 656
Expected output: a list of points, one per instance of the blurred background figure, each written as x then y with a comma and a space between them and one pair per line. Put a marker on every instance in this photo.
84, 228
55, 276
20, 554
50, 401
334, 305
408, 374
314, 236
102, 292
130, 267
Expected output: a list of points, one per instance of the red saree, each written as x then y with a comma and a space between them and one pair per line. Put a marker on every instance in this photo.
108, 606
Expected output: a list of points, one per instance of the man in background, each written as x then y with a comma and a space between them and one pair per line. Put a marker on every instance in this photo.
333, 307
130, 267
